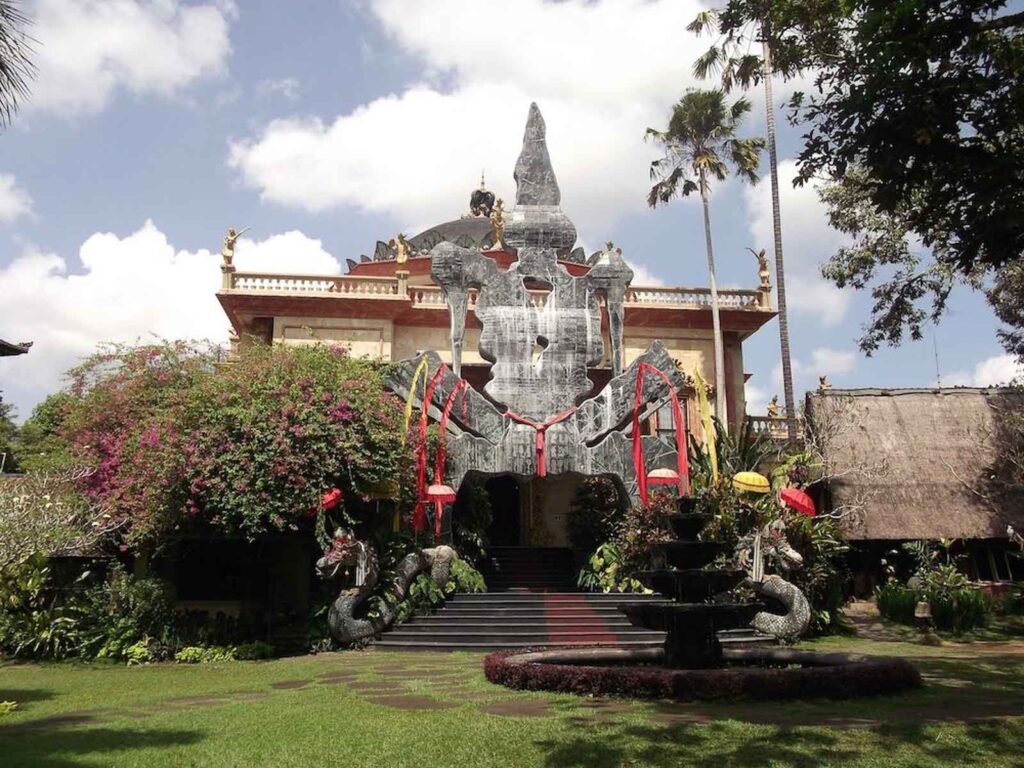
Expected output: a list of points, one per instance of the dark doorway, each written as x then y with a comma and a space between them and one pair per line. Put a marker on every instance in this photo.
503, 491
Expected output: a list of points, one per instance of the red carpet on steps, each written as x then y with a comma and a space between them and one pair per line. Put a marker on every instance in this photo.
555, 616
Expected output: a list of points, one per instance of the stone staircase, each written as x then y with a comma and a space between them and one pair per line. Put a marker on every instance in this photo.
533, 601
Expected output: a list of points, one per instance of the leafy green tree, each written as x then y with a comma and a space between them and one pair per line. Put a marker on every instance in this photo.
923, 103
700, 144
8, 438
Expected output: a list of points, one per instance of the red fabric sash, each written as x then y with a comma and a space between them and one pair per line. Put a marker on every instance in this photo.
419, 513
682, 463
442, 449
542, 428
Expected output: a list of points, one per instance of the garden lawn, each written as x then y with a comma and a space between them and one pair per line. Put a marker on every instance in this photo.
385, 710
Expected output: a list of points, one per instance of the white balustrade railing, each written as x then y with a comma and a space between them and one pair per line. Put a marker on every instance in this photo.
345, 285
431, 296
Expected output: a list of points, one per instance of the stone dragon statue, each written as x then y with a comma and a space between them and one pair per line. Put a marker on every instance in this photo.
346, 553
769, 544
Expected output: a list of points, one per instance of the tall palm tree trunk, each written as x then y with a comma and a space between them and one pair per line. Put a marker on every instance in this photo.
780, 272
720, 383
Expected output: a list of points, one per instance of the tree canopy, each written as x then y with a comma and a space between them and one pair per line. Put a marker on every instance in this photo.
917, 114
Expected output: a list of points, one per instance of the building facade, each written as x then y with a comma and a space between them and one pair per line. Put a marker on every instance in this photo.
388, 307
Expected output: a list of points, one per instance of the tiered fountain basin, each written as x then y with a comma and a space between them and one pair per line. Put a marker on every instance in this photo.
693, 664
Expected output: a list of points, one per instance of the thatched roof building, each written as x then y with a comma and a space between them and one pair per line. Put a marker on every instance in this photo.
920, 463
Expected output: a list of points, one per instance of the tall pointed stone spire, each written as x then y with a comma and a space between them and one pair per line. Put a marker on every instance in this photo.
535, 178
537, 220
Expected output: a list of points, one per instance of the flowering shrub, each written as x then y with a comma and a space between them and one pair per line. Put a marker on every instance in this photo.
176, 440
282, 425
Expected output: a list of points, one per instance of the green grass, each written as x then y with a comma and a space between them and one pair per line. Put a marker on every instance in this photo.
959, 718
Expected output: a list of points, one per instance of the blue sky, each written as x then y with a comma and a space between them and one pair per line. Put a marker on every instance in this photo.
326, 126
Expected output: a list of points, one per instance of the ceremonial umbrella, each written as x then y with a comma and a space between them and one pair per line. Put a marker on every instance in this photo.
796, 499
752, 482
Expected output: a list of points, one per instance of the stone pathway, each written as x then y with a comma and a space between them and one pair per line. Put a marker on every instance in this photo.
867, 623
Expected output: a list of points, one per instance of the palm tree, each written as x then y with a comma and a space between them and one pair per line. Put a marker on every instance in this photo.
700, 144
15, 64
744, 68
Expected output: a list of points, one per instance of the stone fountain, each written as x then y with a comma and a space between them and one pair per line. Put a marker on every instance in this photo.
698, 606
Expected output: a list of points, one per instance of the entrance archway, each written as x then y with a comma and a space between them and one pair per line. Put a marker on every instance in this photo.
506, 526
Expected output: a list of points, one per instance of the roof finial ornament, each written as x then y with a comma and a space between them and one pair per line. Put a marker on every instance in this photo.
481, 202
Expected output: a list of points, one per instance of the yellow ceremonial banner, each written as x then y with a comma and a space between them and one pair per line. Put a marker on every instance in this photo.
708, 425
424, 368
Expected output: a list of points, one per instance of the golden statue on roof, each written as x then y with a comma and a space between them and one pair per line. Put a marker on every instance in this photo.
228, 251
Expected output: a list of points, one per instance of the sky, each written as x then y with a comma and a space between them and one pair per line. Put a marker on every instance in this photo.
328, 125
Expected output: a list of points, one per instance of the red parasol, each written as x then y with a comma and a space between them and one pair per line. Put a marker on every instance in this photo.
796, 499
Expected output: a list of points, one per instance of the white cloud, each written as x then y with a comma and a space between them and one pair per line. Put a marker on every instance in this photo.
807, 241
14, 200
832, 362
992, 372
87, 50
757, 399
124, 288
642, 276
601, 72
288, 87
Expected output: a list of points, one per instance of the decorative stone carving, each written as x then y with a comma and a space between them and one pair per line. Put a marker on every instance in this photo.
540, 350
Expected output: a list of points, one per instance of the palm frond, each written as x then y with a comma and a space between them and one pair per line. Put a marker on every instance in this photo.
705, 21
16, 67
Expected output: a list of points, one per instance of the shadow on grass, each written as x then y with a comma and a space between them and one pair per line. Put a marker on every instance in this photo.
23, 696
738, 746
56, 742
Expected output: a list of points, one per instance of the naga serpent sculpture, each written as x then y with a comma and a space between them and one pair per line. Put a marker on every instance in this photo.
345, 553
770, 543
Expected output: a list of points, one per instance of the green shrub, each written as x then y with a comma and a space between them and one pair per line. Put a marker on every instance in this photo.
7, 707
196, 655
956, 611
424, 596
139, 653
604, 572
254, 651
595, 515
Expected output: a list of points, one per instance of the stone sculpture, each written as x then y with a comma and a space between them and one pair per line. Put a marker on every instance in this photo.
346, 554
541, 331
770, 544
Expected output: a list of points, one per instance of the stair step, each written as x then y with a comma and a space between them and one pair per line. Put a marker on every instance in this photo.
496, 627
418, 645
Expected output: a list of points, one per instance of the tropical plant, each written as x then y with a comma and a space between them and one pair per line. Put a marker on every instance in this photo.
732, 61
699, 145
595, 514
425, 596
604, 572
16, 67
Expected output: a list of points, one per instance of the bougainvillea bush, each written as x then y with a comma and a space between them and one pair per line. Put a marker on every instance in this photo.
180, 438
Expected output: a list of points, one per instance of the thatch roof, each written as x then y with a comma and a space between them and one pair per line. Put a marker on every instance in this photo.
918, 463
